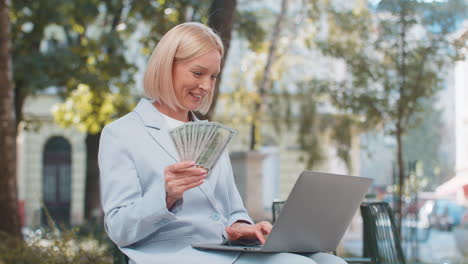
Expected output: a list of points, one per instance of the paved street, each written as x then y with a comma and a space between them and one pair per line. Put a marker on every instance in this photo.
439, 248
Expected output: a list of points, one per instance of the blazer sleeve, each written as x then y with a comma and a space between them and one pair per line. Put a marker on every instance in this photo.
130, 214
238, 211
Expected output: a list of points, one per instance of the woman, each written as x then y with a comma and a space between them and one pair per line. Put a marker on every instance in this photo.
156, 207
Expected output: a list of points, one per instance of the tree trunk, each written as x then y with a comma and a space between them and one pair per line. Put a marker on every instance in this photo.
93, 210
265, 83
18, 100
9, 222
399, 123
401, 176
221, 19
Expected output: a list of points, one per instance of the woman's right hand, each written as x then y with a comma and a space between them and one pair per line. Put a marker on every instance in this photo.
181, 177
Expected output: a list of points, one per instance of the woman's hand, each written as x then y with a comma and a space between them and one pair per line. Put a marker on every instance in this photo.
179, 178
245, 231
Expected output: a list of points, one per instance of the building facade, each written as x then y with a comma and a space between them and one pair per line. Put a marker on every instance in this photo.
51, 166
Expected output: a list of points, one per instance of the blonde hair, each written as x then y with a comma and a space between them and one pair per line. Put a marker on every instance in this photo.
183, 42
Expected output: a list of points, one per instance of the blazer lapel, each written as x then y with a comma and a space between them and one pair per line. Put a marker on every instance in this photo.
156, 127
208, 188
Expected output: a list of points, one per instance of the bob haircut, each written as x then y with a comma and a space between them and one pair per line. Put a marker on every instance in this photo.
182, 43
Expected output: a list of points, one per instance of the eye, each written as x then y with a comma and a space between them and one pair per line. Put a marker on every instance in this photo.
214, 77
197, 73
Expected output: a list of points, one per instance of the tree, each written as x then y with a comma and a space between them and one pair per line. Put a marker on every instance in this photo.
423, 143
9, 222
280, 97
221, 19
99, 82
265, 83
40, 30
67, 43
393, 60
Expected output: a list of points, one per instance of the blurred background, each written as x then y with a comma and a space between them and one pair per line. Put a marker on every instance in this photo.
374, 88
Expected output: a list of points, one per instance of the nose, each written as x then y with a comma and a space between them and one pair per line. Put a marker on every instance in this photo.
206, 84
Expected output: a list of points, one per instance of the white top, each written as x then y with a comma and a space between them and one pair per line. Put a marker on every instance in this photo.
171, 122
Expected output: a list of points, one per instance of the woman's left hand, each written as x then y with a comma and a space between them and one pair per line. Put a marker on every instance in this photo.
246, 231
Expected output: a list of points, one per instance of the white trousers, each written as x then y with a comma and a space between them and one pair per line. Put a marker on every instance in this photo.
288, 258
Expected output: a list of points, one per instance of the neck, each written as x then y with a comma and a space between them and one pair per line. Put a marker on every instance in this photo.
181, 115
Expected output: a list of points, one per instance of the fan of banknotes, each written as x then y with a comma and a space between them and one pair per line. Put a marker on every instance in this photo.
201, 141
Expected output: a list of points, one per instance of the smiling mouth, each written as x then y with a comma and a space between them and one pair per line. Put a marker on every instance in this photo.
196, 97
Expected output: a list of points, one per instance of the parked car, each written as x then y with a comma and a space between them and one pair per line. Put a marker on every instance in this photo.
445, 214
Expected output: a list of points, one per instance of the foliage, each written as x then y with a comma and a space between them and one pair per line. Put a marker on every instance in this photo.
53, 246
57, 245
385, 82
33, 65
393, 61
309, 131
416, 181
315, 120
369, 94
157, 17
293, 102
235, 110
423, 143
247, 26
89, 111
265, 79
66, 43
104, 66
160, 16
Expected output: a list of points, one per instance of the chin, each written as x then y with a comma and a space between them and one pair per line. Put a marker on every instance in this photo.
192, 107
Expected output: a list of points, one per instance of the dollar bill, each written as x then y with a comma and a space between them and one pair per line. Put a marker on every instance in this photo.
201, 141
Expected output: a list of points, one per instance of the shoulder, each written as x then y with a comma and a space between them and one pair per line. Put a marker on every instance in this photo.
123, 126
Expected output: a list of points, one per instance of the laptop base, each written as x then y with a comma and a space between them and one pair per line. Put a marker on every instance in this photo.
228, 247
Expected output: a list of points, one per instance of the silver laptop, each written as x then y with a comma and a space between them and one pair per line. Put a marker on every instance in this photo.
315, 217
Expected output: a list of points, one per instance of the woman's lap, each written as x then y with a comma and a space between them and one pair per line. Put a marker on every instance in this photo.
288, 258
324, 258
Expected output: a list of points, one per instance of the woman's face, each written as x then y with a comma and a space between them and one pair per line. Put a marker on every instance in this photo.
194, 79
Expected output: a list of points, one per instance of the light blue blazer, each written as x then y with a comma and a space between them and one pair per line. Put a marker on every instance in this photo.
133, 152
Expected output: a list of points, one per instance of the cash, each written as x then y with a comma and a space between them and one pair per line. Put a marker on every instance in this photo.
202, 142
